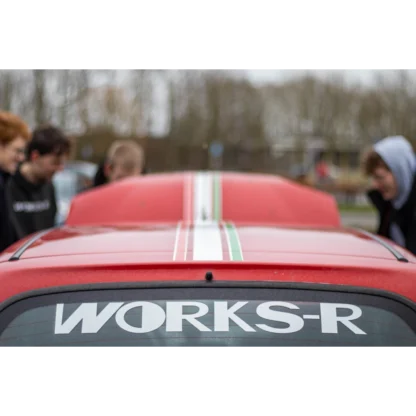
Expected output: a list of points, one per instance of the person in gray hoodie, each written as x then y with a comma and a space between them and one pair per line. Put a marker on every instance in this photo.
391, 164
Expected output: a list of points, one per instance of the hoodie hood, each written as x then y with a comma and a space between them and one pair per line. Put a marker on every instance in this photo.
399, 156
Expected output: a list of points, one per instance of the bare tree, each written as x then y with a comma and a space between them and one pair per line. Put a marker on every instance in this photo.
205, 106
7, 87
64, 88
40, 96
82, 85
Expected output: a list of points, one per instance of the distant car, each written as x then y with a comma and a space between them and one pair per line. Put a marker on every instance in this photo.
75, 178
206, 259
68, 184
86, 169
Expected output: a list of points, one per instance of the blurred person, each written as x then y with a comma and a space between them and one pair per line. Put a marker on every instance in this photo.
125, 158
391, 164
30, 191
322, 170
14, 135
300, 174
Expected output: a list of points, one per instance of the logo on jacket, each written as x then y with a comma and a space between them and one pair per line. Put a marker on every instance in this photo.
30, 206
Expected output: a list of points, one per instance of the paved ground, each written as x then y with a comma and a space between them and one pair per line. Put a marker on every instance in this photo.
364, 220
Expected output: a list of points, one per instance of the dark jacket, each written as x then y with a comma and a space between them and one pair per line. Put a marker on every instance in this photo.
6, 231
405, 217
32, 206
100, 178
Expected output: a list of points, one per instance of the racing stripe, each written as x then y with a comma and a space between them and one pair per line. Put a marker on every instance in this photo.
207, 244
203, 197
178, 232
202, 208
216, 197
206, 241
181, 242
188, 197
233, 240
225, 244
207, 197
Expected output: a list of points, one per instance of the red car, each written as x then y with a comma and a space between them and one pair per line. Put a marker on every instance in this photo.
206, 259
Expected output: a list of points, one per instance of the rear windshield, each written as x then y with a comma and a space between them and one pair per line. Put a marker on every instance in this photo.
207, 317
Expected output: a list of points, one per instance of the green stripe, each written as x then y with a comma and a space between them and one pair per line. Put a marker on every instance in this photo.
235, 246
216, 197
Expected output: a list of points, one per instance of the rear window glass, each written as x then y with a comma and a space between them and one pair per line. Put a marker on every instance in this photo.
207, 317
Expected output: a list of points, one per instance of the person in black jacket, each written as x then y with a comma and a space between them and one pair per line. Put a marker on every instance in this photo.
30, 191
14, 135
100, 178
392, 165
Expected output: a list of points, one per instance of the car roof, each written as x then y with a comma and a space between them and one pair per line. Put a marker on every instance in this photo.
168, 242
183, 251
190, 196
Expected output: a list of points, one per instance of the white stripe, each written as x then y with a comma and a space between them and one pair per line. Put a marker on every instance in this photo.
227, 237
178, 231
207, 242
186, 243
203, 197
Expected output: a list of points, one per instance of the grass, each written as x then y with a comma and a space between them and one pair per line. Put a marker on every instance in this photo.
365, 209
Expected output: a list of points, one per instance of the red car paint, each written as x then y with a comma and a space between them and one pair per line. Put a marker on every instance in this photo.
245, 198
150, 231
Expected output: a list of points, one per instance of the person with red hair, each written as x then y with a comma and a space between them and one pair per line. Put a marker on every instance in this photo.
14, 136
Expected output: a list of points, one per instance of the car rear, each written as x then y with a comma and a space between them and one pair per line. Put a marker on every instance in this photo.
206, 285
208, 314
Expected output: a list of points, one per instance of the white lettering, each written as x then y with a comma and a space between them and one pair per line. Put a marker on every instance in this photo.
31, 206
329, 318
153, 317
295, 322
87, 314
223, 315
175, 316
